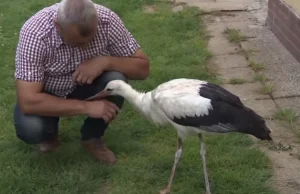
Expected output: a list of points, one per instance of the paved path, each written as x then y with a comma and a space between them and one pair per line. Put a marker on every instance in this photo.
231, 60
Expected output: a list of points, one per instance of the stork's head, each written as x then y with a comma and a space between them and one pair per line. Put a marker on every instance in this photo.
255, 125
262, 131
116, 87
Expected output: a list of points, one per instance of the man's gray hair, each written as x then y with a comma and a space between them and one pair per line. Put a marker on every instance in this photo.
78, 12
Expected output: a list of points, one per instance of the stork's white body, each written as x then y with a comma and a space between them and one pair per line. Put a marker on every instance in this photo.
176, 98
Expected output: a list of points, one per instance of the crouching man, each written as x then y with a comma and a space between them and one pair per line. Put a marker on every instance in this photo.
66, 53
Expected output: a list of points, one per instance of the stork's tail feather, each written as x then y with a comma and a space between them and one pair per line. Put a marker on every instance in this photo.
243, 118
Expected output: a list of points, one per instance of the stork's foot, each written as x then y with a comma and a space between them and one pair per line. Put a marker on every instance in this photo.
176, 160
165, 191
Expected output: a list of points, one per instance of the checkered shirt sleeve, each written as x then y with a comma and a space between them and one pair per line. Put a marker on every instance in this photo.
29, 58
121, 41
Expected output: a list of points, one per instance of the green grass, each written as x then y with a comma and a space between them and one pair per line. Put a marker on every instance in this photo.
256, 66
246, 53
176, 45
286, 114
260, 77
236, 81
267, 88
234, 35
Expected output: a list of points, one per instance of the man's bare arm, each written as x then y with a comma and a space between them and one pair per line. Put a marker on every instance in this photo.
33, 101
135, 67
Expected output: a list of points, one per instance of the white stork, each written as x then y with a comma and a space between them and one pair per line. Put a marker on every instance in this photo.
192, 107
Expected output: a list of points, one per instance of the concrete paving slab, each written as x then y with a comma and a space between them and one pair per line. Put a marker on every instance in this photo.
297, 130
235, 17
282, 132
230, 61
216, 28
285, 86
256, 16
229, 5
211, 19
253, 44
177, 8
264, 108
244, 73
260, 15
219, 45
247, 91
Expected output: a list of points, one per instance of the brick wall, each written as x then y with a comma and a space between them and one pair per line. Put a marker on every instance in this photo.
284, 22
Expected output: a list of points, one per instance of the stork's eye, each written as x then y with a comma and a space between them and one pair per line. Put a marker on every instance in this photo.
109, 90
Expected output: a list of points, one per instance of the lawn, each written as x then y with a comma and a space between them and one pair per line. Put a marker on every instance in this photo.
176, 45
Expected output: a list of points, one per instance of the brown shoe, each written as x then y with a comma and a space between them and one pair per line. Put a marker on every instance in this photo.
48, 146
97, 148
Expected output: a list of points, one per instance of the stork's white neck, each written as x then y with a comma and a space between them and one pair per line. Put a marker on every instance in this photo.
133, 96
143, 102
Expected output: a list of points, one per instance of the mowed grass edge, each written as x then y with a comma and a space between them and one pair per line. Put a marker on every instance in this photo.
176, 44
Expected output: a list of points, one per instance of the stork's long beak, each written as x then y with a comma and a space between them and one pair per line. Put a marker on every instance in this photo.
99, 96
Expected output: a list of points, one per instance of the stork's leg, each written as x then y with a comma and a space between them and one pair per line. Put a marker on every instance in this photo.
177, 157
203, 153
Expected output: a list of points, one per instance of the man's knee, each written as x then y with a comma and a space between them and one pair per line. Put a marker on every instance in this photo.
113, 75
29, 128
100, 83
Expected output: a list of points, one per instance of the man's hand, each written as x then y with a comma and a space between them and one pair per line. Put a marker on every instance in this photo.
134, 67
102, 109
89, 70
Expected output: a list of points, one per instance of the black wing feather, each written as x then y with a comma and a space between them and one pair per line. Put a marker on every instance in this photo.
219, 119
217, 93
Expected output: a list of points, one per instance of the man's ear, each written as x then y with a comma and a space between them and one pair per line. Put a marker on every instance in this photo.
58, 27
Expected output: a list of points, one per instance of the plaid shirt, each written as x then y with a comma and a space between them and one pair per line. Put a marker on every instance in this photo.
43, 57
